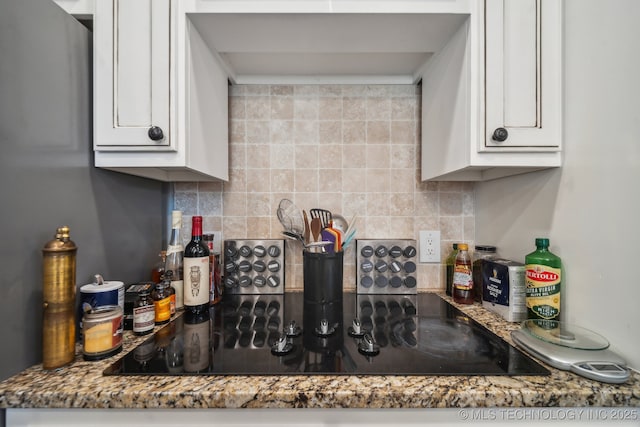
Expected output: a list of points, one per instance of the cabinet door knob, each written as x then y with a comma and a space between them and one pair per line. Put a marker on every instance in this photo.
155, 133
500, 134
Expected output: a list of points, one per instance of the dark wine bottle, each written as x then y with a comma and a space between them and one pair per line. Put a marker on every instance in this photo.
196, 271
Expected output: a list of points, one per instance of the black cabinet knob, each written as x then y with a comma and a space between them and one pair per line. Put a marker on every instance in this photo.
500, 134
155, 133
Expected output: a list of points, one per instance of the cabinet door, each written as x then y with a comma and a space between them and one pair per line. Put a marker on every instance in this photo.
523, 91
132, 75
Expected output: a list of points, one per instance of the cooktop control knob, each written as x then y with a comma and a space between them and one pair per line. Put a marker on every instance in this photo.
292, 329
355, 330
282, 346
324, 329
368, 346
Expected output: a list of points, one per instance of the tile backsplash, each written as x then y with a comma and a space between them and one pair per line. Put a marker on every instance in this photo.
352, 149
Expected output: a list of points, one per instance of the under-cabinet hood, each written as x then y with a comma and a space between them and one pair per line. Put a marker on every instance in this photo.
389, 48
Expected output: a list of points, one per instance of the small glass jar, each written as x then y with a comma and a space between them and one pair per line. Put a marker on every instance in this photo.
162, 302
143, 313
102, 332
481, 254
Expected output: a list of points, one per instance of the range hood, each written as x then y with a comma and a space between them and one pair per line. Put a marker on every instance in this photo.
370, 48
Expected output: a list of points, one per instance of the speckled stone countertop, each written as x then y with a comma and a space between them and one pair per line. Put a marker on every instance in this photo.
82, 385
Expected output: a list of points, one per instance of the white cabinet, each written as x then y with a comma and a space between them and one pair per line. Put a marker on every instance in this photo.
492, 98
159, 111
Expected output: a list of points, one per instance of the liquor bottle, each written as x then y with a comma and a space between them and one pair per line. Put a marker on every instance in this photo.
543, 276
450, 263
158, 270
174, 262
215, 289
462, 277
196, 267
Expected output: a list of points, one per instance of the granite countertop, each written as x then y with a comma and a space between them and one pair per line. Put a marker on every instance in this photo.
82, 385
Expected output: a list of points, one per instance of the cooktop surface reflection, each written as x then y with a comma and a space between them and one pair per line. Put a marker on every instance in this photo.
284, 335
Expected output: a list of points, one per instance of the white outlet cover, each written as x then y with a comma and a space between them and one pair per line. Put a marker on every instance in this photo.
430, 246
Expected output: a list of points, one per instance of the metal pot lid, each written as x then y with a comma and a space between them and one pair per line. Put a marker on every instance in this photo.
565, 335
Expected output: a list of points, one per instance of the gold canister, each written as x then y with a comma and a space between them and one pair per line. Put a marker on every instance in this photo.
59, 297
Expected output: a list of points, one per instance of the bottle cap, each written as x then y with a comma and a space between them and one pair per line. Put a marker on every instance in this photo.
455, 246
463, 246
542, 242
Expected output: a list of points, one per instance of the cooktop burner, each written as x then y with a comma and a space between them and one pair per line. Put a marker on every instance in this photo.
363, 335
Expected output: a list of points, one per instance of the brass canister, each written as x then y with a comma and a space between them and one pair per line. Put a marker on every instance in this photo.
59, 297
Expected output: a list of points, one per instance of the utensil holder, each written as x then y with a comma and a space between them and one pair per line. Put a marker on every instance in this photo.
322, 274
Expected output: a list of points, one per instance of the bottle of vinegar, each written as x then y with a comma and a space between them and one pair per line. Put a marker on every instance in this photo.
462, 276
543, 275
175, 254
196, 271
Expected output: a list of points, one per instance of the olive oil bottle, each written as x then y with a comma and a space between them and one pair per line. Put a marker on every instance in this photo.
543, 276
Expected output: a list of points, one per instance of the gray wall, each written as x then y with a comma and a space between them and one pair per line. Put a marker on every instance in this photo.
47, 178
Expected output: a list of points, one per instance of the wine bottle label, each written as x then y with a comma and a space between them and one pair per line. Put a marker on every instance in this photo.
196, 281
178, 285
172, 249
543, 290
143, 318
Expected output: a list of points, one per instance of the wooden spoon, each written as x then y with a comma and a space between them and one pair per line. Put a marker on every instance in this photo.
316, 228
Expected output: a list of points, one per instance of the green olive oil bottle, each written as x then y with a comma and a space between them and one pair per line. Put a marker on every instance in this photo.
543, 275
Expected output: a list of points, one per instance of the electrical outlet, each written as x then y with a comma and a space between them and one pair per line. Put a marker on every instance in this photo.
430, 246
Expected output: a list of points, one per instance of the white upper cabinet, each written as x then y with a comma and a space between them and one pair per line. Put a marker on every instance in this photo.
133, 76
523, 95
160, 111
492, 97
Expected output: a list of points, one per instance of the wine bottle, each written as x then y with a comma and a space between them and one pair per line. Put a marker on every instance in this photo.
174, 261
196, 267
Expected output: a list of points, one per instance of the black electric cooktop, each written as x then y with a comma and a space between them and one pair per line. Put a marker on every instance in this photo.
404, 335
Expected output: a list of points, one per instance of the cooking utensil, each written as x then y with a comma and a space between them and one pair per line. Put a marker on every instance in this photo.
316, 228
290, 216
571, 348
307, 228
324, 215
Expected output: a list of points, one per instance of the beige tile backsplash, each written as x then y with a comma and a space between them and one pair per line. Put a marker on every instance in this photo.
353, 149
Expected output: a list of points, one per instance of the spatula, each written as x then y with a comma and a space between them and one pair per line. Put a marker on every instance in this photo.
324, 215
